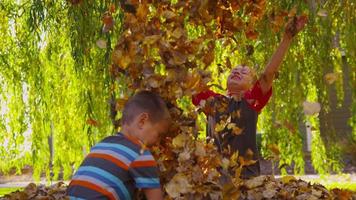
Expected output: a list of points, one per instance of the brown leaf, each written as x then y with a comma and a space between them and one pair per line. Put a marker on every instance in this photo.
142, 12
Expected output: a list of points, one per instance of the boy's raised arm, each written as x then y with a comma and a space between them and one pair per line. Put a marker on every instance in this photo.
153, 193
294, 26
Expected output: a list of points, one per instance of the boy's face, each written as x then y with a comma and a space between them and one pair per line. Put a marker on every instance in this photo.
153, 131
240, 79
150, 132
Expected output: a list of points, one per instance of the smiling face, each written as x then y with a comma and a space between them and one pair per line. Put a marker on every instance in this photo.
240, 79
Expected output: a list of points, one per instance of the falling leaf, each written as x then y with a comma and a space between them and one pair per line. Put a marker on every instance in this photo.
220, 126
292, 12
209, 57
108, 19
120, 103
251, 34
101, 43
142, 11
322, 13
168, 14
76, 2
225, 163
151, 39
185, 155
112, 8
179, 141
153, 82
311, 108
330, 78
92, 122
178, 185
199, 149
178, 33
274, 149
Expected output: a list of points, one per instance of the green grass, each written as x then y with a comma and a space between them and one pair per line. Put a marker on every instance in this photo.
4, 191
348, 185
341, 181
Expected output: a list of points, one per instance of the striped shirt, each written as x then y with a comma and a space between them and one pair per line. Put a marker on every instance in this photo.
114, 169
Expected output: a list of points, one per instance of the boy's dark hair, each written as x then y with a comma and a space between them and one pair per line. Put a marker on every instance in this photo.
145, 101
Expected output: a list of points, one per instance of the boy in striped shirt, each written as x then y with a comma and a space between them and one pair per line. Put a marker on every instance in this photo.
120, 164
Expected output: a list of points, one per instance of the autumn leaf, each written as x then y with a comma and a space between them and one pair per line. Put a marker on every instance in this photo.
142, 11
255, 182
180, 140
311, 108
230, 192
178, 185
199, 149
322, 13
251, 34
330, 78
274, 149
101, 43
92, 122
234, 129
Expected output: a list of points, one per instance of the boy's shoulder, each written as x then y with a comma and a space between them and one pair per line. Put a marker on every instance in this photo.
120, 144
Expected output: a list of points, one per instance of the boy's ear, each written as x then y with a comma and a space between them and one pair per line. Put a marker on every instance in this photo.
142, 119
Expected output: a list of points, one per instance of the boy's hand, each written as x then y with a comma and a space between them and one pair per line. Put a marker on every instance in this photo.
153, 193
295, 25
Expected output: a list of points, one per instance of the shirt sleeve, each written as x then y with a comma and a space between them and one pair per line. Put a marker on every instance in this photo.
196, 99
144, 171
255, 97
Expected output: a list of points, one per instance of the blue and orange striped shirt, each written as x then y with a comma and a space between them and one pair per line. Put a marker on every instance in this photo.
114, 169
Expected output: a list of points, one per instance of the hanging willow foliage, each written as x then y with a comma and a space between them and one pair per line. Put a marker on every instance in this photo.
58, 83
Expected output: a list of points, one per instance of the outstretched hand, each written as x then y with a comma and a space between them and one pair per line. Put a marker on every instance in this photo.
295, 25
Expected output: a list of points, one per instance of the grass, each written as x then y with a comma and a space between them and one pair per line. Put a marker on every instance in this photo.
341, 181
348, 185
4, 191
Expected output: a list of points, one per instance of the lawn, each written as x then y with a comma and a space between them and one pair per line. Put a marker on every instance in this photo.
4, 191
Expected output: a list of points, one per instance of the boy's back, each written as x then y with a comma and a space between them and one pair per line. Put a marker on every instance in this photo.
114, 169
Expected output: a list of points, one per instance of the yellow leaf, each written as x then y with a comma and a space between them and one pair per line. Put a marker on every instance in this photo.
185, 155
220, 126
230, 192
322, 13
178, 32
168, 14
287, 179
178, 185
179, 141
330, 78
274, 149
151, 39
225, 163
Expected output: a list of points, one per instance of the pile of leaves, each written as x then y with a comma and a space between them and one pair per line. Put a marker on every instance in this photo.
262, 187
267, 187
40, 192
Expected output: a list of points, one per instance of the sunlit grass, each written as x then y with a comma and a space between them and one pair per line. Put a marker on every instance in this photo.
341, 181
4, 191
